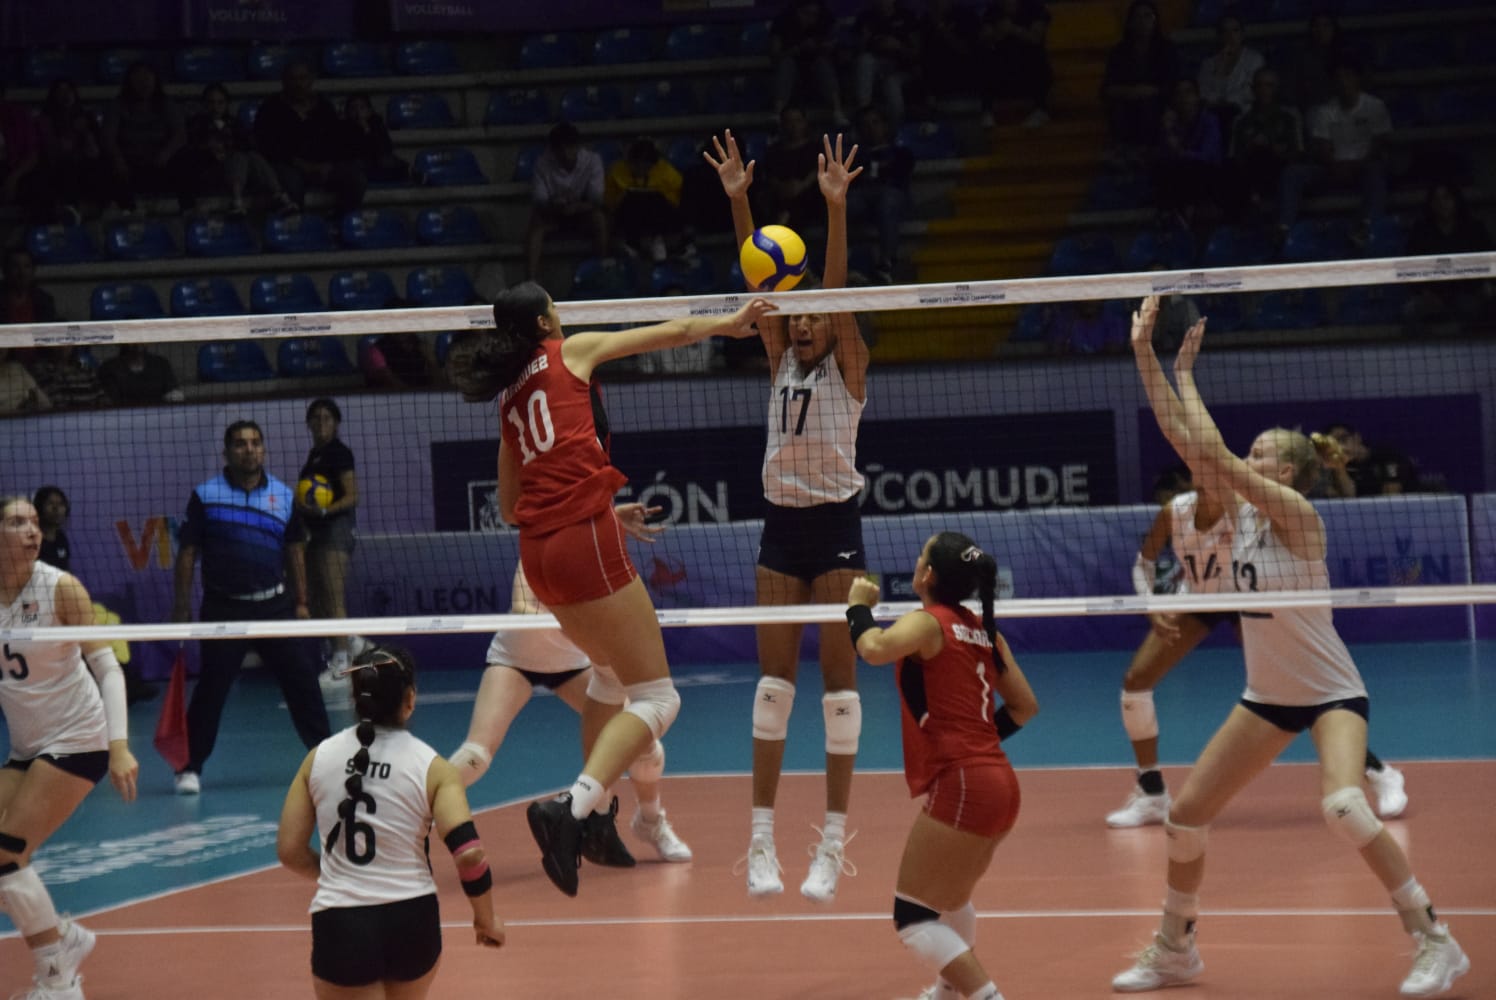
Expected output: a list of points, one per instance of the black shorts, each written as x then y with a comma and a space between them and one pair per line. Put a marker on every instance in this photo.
807, 542
335, 533
1210, 619
91, 765
1297, 718
540, 678
361, 945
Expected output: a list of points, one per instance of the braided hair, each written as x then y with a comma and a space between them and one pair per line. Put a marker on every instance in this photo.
483, 363
379, 678
961, 568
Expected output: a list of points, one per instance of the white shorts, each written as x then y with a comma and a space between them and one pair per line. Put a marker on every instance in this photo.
541, 651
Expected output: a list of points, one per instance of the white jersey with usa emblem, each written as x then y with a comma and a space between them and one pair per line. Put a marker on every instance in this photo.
50, 700
1203, 556
811, 458
1294, 655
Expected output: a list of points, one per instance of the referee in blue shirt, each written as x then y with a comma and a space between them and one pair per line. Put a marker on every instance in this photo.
244, 525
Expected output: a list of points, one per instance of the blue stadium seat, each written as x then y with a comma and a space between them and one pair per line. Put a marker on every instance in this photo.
663, 99
361, 290
450, 225
1387, 238
1232, 246
734, 282
248, 109
1086, 253
60, 245
114, 63
604, 278
610, 151
524, 163
42, 66
684, 152
127, 300
517, 107
1173, 248
268, 62
302, 356
299, 233
696, 276
928, 140
548, 51
1291, 309
447, 167
1113, 192
622, 45
427, 57
1371, 305
1318, 239
140, 239
439, 286
753, 146
600, 102
443, 345
754, 39
205, 297
374, 229
698, 41
1032, 325
355, 59
284, 293
418, 111
1288, 10
1224, 313
232, 361
208, 64
736, 95
219, 237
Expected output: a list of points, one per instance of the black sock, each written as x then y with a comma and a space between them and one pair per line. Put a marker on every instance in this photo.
1373, 762
1151, 782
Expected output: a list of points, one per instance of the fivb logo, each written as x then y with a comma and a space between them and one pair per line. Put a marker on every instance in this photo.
158, 535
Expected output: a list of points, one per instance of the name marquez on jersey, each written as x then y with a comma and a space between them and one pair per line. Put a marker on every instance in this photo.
974, 636
540, 364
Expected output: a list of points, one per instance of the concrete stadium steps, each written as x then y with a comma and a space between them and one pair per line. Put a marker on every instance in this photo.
973, 333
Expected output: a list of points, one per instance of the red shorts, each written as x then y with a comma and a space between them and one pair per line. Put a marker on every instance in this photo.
580, 562
978, 798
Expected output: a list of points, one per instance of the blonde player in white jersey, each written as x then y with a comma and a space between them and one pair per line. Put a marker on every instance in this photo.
812, 548
519, 661
65, 707
370, 794
1299, 676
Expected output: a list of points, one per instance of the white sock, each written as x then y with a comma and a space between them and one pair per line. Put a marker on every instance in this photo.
585, 795
471, 760
1180, 911
763, 822
835, 828
45, 959
650, 810
987, 992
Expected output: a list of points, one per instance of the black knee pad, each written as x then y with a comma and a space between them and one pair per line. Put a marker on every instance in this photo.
907, 912
11, 844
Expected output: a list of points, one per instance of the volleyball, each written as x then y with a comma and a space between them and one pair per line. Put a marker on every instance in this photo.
314, 490
773, 259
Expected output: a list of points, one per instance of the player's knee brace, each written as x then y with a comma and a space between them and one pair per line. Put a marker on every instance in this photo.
935, 944
603, 686
1138, 715
1186, 843
649, 767
657, 703
843, 712
772, 701
1351, 816
27, 901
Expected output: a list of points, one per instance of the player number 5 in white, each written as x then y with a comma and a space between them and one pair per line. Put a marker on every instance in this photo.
540, 430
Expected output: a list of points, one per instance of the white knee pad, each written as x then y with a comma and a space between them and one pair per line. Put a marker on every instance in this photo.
1351, 816
603, 686
649, 767
772, 701
471, 760
1138, 716
27, 901
935, 944
655, 702
1186, 843
843, 712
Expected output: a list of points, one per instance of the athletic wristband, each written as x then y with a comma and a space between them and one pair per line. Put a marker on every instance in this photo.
860, 620
1003, 720
476, 878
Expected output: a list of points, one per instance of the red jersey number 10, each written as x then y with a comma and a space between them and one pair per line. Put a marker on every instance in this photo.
540, 429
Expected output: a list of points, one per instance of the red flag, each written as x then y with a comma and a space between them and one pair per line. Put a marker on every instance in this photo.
171, 727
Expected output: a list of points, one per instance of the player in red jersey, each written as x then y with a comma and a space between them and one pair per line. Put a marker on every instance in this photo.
949, 663
557, 484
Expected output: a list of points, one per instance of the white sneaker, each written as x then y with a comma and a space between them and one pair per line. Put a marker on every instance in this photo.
1140, 809
763, 868
828, 863
1158, 966
73, 991
661, 836
1438, 963
77, 942
1389, 785
188, 783
332, 684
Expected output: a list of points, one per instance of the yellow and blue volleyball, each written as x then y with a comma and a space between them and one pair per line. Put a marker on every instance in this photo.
773, 259
314, 490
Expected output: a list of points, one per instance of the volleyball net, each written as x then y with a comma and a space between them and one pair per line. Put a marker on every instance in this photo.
1038, 443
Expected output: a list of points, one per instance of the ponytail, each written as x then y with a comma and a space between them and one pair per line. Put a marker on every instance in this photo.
483, 363
962, 568
379, 679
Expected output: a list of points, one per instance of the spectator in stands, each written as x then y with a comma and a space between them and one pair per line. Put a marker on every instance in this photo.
643, 192
145, 134
1264, 141
702, 207
1187, 174
223, 158
887, 57
947, 45
24, 301
1347, 140
801, 45
1140, 74
137, 377
1357, 476
792, 195
1011, 59
398, 361
1088, 326
367, 140
1447, 227
20, 155
1313, 75
74, 171
68, 378
299, 132
882, 199
19, 392
52, 509
566, 193
1226, 76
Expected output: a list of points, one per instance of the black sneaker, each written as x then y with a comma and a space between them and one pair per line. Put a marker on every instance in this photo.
601, 844
559, 837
